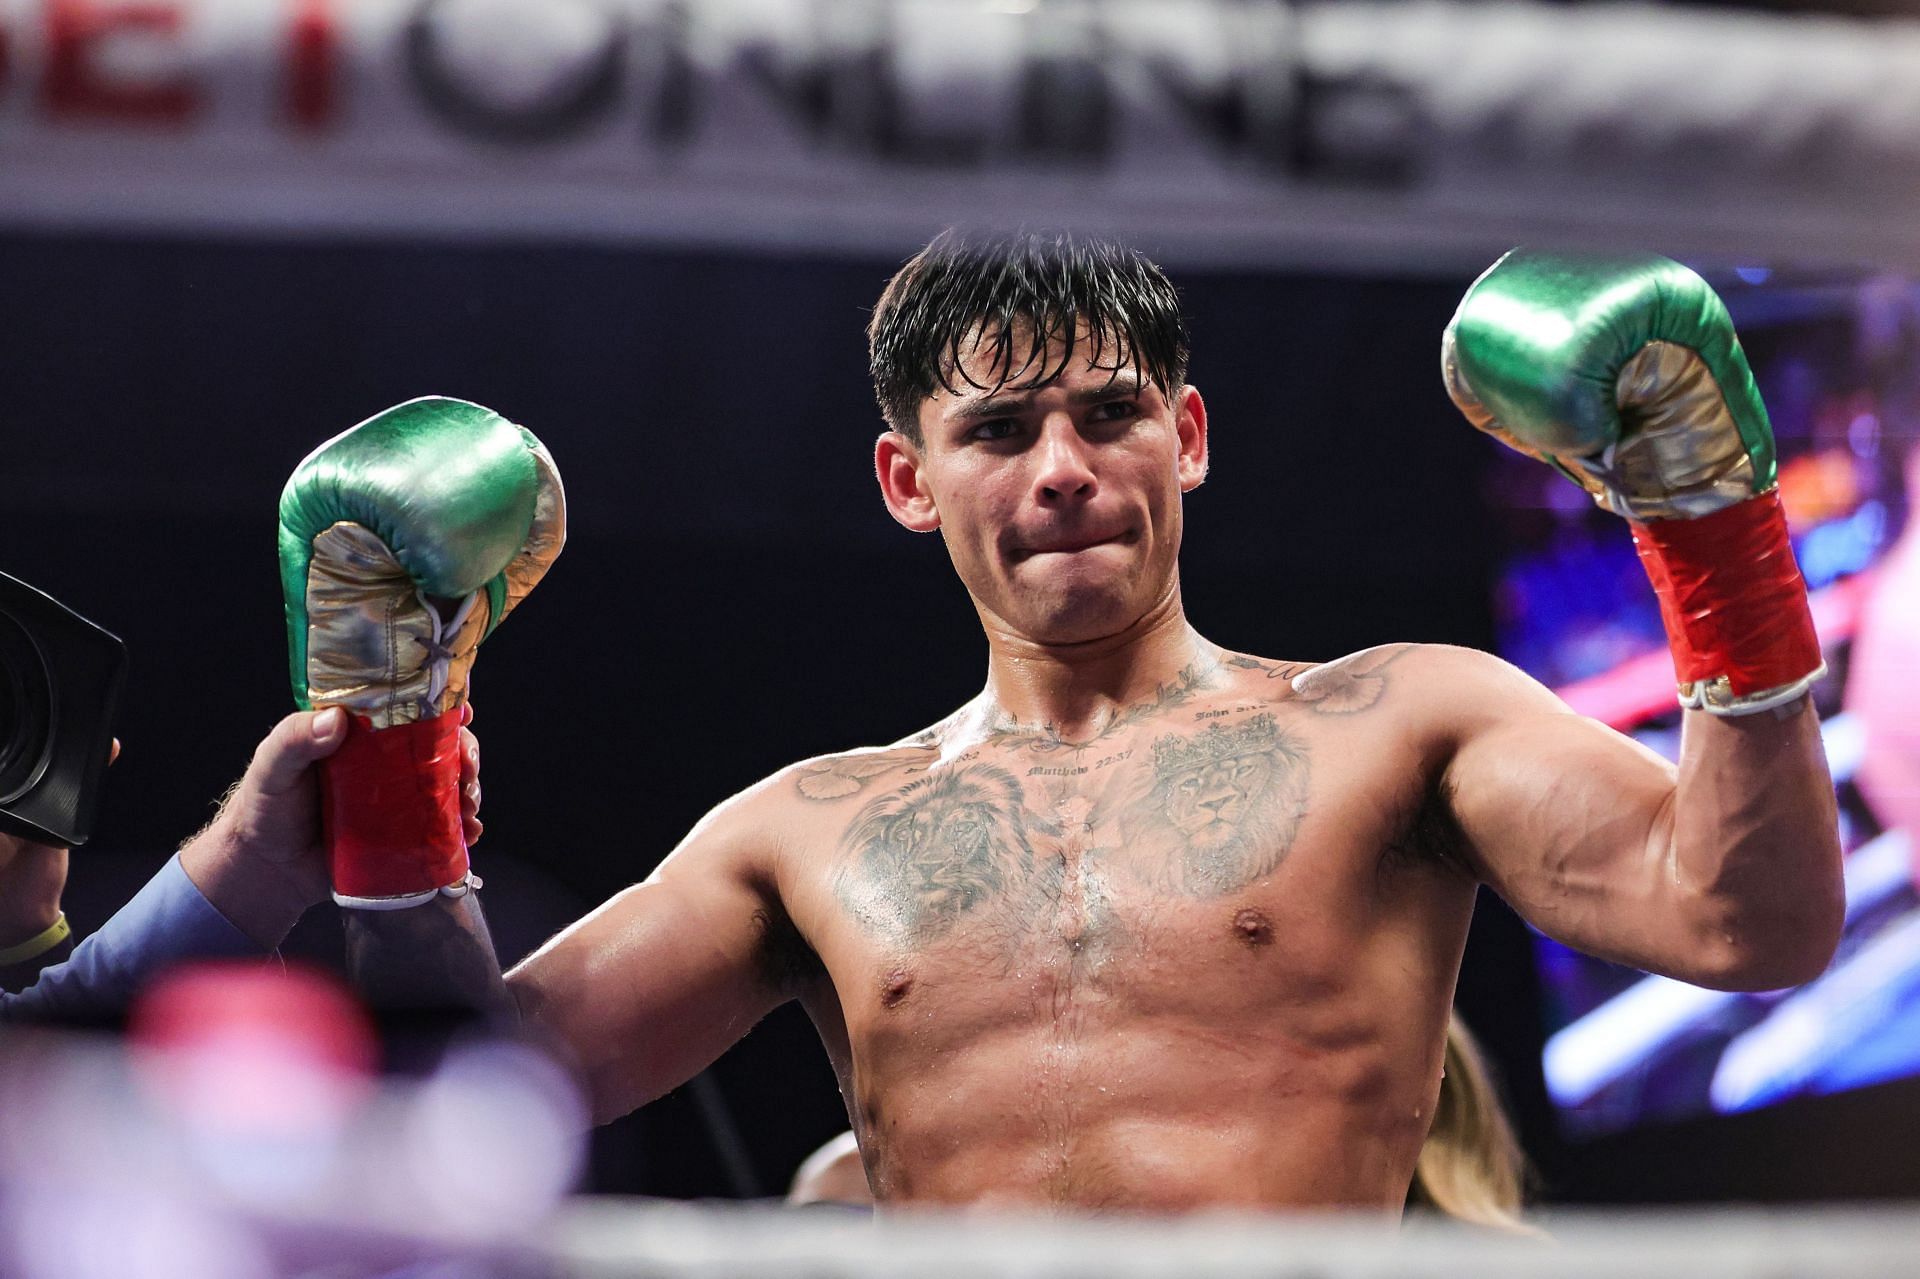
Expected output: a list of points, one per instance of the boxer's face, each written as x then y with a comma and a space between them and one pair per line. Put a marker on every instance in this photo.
1060, 504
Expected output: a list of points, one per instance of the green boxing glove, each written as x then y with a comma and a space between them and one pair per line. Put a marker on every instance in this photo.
403, 543
1623, 372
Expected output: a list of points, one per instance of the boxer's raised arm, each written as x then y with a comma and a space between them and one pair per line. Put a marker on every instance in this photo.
648, 989
1724, 871
1624, 373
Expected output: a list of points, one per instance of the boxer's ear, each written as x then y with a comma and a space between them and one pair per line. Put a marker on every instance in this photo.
1190, 423
896, 463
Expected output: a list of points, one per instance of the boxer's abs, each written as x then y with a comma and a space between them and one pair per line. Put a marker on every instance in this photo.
1190, 1080
1171, 967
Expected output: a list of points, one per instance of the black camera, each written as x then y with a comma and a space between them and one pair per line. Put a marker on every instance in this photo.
60, 678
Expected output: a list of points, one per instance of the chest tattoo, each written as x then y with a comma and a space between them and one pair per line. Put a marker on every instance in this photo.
942, 847
838, 778
1349, 685
1192, 814
1227, 801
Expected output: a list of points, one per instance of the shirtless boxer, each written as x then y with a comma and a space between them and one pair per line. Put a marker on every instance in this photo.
1152, 924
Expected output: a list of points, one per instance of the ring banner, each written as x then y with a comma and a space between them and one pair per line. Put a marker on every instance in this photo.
1413, 134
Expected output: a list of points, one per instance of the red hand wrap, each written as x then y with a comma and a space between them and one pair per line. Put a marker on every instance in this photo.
390, 806
1731, 596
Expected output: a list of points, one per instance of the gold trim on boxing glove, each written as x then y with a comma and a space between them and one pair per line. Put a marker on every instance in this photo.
374, 645
1680, 454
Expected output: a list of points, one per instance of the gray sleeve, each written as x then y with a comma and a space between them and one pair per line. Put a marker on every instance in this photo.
167, 921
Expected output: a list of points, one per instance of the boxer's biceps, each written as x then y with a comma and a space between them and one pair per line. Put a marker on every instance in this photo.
1569, 821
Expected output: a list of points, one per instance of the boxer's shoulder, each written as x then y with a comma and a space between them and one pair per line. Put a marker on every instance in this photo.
748, 834
1409, 680
845, 775
1382, 677
1428, 698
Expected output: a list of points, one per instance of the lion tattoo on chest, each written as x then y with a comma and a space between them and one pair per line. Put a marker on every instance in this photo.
1230, 800
938, 849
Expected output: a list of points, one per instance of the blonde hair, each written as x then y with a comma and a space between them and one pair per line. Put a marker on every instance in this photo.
1470, 1167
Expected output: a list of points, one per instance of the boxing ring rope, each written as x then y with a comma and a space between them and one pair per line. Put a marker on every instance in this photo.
605, 1240
1419, 135
467, 1169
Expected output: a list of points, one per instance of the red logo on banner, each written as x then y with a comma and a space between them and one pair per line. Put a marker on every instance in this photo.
313, 62
77, 86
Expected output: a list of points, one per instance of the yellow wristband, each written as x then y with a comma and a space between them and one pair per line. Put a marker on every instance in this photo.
39, 944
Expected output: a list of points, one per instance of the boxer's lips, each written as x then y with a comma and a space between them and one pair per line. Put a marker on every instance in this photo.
1073, 545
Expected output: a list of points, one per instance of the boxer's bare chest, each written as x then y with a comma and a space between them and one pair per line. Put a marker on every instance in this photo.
1214, 815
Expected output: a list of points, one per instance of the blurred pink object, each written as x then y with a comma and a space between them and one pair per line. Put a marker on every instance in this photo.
239, 1046
1883, 682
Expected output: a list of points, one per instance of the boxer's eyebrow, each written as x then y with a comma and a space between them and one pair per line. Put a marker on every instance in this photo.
997, 406
1121, 388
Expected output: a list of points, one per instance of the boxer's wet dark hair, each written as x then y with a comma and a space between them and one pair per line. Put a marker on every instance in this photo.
1011, 297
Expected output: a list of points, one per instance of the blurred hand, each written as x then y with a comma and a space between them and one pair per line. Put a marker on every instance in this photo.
262, 861
32, 879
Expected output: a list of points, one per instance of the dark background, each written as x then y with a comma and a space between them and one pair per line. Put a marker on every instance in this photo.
733, 596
